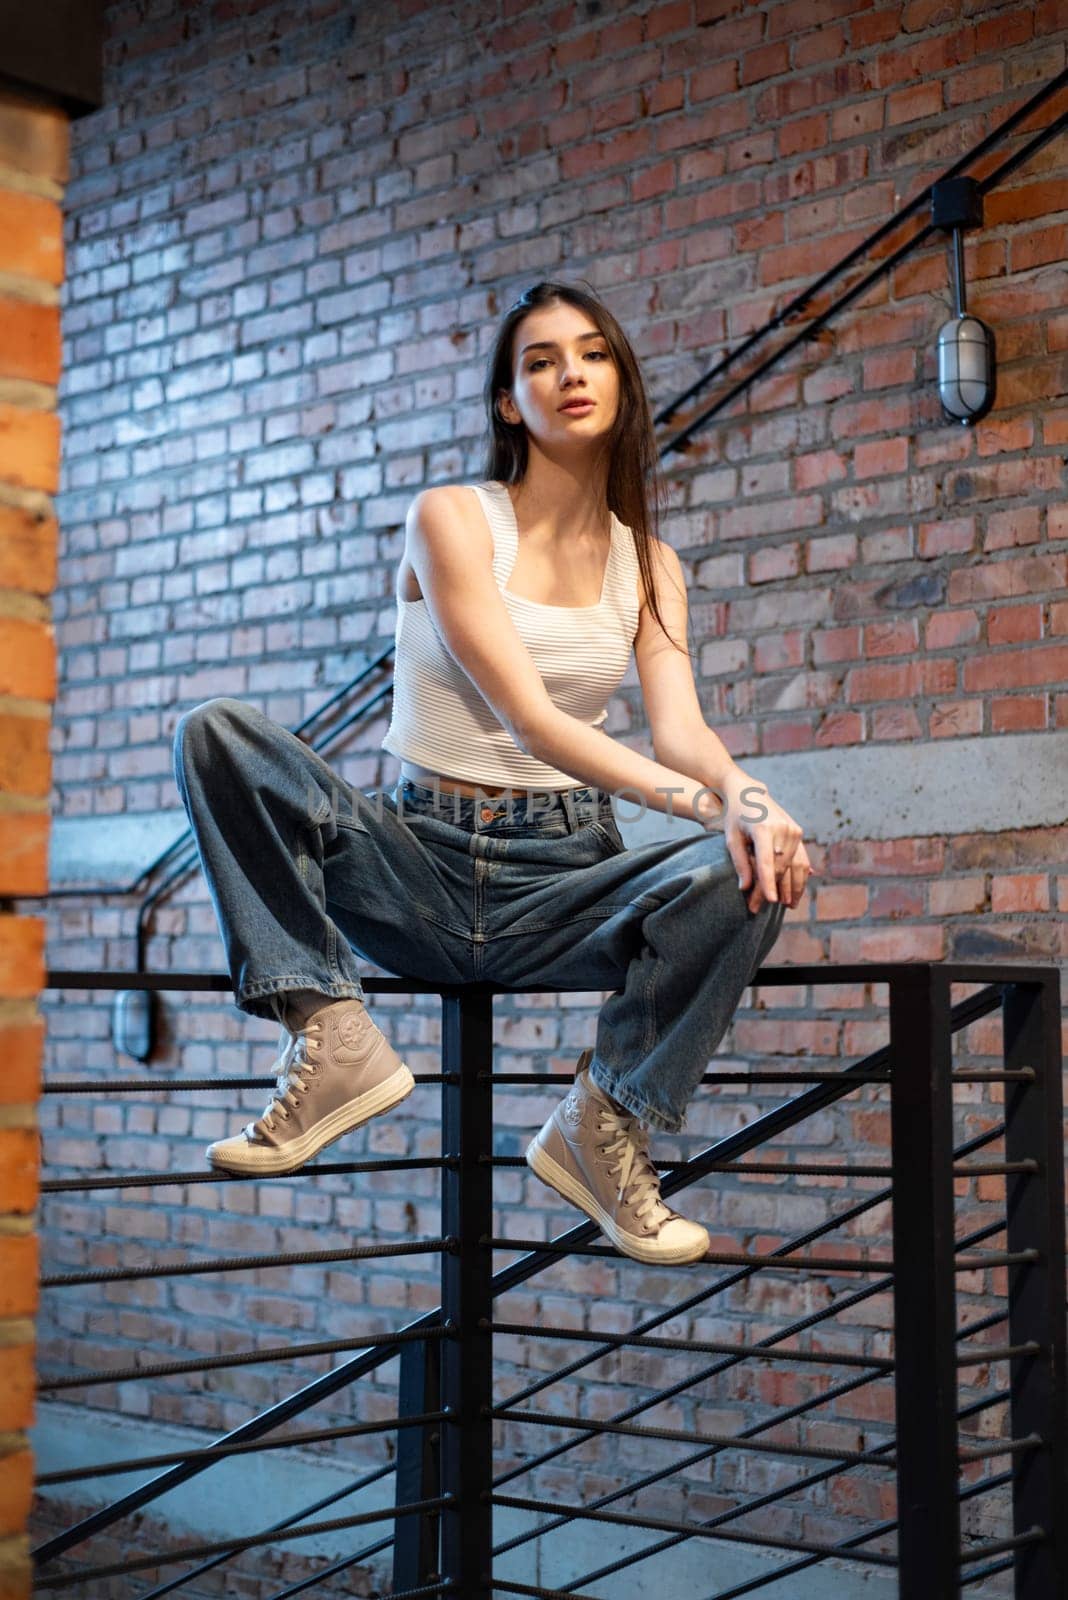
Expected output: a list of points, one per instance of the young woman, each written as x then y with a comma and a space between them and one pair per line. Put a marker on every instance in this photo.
497, 855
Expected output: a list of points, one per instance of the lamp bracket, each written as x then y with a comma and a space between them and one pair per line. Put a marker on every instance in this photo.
956, 203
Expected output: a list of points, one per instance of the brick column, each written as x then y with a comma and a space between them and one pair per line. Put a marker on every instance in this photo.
33, 171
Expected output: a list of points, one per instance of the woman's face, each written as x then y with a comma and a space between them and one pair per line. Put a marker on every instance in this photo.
565, 386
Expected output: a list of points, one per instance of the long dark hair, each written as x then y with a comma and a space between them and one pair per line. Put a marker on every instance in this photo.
633, 486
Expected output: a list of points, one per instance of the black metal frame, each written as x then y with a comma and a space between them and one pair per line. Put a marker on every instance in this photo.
445, 1486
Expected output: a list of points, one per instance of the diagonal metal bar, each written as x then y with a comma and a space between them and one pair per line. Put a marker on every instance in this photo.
334, 1569
261, 1263
289, 1441
167, 1180
287, 1522
666, 1525
240, 1358
233, 1546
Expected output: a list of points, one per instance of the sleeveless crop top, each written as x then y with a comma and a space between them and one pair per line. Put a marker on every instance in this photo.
441, 721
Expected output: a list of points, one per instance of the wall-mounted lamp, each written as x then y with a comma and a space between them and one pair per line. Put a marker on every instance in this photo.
966, 368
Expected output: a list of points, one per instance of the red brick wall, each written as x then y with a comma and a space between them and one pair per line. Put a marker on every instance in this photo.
33, 168
288, 245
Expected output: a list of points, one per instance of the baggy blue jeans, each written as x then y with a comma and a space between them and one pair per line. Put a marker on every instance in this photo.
307, 873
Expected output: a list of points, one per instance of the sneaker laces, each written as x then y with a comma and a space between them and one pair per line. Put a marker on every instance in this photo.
293, 1063
628, 1152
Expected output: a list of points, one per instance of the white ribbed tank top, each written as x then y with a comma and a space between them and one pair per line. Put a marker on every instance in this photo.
440, 720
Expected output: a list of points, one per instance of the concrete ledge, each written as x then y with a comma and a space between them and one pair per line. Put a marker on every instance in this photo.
888, 791
249, 1493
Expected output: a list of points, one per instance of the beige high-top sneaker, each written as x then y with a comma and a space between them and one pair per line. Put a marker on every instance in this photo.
597, 1156
336, 1071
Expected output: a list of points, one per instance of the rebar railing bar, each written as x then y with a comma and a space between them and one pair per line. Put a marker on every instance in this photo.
1001, 1447
1029, 1536
262, 1263
721, 1258
336, 1567
767, 1447
509, 1586
313, 1510
980, 1325
1003, 1352
243, 1358
179, 1086
991, 1571
761, 1075
196, 1552
106, 1469
993, 1169
703, 1346
665, 1525
1023, 1075
310, 1395
882, 269
742, 1079
761, 1262
167, 1180
813, 1169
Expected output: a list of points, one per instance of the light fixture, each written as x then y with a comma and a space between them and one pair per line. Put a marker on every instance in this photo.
966, 368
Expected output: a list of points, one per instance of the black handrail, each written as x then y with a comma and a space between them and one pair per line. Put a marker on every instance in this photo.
917, 203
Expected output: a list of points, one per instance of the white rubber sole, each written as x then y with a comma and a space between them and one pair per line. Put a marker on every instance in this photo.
552, 1173
249, 1158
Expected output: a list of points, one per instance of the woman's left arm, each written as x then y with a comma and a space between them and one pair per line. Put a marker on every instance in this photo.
763, 840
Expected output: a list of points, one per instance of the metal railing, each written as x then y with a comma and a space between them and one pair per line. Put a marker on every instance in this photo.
445, 1484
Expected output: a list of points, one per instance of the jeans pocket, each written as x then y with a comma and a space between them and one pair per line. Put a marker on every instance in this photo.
609, 834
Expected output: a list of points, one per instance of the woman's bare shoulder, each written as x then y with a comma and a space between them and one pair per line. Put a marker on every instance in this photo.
446, 524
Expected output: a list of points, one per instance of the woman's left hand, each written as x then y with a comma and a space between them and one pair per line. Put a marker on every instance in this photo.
765, 845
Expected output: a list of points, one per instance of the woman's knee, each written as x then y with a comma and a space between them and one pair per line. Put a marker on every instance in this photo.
208, 724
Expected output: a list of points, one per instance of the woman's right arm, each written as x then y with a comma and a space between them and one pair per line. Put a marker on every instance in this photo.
451, 551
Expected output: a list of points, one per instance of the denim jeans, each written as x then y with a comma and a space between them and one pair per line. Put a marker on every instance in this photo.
307, 873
